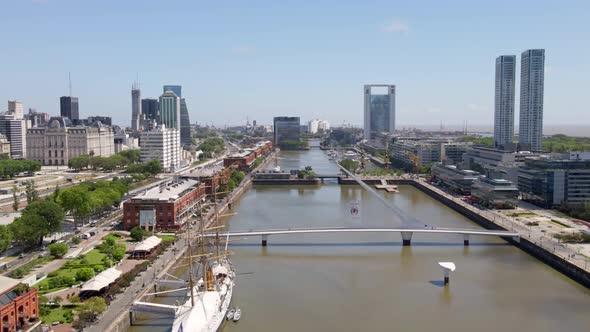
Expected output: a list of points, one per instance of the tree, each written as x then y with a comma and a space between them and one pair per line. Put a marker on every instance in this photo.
27, 229
131, 155
153, 167
89, 311
75, 200
15, 198
137, 234
5, 238
50, 212
58, 249
84, 274
350, 165
31, 191
79, 163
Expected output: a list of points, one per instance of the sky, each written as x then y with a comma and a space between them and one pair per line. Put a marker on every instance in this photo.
252, 60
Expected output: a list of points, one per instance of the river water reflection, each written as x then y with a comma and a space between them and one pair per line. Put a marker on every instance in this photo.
344, 282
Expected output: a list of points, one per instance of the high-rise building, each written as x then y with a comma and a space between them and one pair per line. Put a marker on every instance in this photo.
150, 108
317, 125
136, 117
16, 108
185, 124
170, 110
177, 89
15, 131
162, 144
504, 100
69, 108
58, 142
532, 81
379, 111
286, 129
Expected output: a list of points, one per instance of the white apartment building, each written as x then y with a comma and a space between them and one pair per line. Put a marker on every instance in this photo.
162, 144
59, 141
316, 125
15, 131
16, 108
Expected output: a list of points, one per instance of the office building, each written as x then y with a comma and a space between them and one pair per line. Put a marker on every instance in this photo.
15, 131
496, 193
379, 111
4, 145
162, 144
37, 119
421, 152
185, 124
105, 120
136, 114
316, 125
549, 183
19, 306
16, 108
532, 81
458, 180
170, 110
286, 129
504, 100
69, 108
59, 141
177, 89
150, 108
167, 206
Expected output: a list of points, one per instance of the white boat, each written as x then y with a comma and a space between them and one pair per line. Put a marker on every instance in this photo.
237, 314
277, 169
230, 314
211, 303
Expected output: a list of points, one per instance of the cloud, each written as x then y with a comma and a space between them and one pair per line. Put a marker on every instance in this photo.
244, 50
396, 26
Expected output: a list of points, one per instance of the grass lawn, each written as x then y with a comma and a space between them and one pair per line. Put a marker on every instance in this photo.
59, 314
93, 257
167, 238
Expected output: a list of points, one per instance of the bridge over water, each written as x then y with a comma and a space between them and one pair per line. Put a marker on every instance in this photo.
406, 233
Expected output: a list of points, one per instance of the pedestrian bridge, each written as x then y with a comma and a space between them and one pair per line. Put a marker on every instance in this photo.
406, 233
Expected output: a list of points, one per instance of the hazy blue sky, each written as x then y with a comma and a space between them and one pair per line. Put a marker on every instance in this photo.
308, 58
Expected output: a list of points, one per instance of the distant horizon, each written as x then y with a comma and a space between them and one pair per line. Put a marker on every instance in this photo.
257, 60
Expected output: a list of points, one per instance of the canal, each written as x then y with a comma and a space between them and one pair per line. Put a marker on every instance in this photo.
346, 282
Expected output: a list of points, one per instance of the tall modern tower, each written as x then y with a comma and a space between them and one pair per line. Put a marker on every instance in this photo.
379, 111
532, 81
69, 108
185, 124
136, 116
170, 110
177, 89
151, 109
504, 100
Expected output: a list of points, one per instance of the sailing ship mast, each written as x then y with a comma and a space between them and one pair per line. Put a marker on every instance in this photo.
190, 265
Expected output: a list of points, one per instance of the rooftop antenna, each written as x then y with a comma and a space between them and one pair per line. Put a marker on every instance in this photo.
70, 82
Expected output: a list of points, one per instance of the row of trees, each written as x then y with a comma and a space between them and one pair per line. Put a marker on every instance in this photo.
212, 146
151, 167
90, 198
10, 168
118, 160
563, 143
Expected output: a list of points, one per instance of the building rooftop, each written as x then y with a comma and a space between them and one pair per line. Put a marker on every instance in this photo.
168, 191
7, 284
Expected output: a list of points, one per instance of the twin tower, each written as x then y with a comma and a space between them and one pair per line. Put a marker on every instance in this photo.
532, 80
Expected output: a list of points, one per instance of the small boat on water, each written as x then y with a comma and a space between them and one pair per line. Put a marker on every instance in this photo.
230, 314
277, 169
237, 314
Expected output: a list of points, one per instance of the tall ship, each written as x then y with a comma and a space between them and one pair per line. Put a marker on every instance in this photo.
209, 289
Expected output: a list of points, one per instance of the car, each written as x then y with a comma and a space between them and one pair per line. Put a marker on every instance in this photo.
22, 255
92, 233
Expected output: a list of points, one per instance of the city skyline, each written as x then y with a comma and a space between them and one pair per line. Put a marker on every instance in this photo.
389, 46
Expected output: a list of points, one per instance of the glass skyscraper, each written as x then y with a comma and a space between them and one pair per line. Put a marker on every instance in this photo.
504, 100
379, 111
532, 82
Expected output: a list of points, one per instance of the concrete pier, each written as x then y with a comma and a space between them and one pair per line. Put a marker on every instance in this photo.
466, 239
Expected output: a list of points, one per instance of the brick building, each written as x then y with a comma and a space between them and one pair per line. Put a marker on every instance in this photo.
168, 206
19, 307
245, 159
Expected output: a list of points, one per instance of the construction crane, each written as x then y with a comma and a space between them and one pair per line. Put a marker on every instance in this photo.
415, 161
